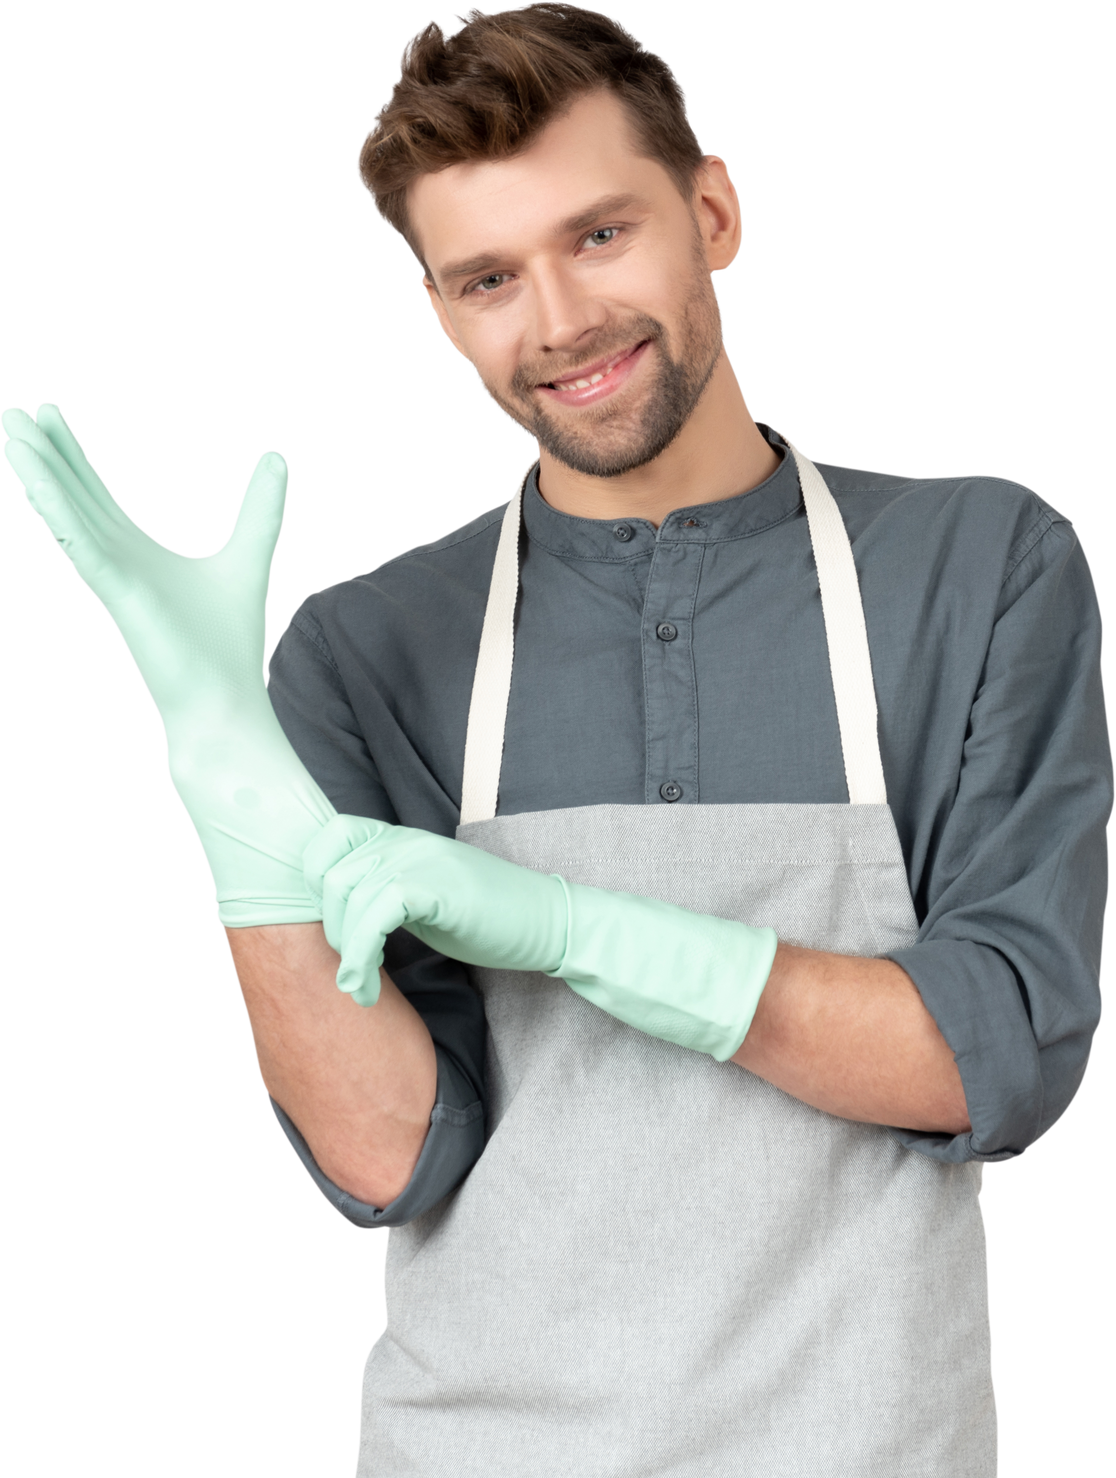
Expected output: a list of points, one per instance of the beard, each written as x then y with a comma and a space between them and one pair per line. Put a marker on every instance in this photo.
608, 441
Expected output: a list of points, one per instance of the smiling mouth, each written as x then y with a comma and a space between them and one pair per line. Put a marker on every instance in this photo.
586, 379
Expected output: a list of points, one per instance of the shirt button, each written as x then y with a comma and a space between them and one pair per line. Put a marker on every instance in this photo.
666, 631
623, 532
670, 790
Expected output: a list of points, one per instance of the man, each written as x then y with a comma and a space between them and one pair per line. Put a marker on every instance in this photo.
615, 1247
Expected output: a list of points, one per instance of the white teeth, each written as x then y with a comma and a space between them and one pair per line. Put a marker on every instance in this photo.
594, 379
584, 385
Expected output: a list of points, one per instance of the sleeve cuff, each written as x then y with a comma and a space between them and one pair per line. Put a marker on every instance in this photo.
452, 1147
976, 999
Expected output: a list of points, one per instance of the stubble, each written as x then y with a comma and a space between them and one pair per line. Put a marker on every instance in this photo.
608, 441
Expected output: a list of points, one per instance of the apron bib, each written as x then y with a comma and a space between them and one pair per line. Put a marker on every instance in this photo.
662, 1264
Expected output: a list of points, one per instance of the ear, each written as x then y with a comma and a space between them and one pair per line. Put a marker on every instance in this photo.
443, 317
718, 212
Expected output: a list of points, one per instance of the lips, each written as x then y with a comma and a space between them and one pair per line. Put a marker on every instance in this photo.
594, 381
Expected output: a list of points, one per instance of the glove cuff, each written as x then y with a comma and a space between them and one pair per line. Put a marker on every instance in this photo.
255, 808
681, 976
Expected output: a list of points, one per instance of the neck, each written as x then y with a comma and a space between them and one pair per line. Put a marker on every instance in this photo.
719, 453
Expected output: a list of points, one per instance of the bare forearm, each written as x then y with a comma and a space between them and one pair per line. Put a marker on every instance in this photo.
359, 1082
851, 1036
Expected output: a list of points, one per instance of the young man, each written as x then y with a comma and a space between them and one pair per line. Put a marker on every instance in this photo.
784, 795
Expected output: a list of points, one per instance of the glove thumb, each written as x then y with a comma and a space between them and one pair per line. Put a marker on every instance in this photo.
261, 514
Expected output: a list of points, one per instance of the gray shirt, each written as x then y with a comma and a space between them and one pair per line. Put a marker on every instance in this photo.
688, 664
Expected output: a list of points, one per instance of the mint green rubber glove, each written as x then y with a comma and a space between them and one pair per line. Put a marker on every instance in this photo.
684, 977
196, 630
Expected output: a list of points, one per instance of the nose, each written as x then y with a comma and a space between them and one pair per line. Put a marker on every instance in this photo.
565, 313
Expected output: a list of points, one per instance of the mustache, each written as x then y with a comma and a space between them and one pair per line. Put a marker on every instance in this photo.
546, 369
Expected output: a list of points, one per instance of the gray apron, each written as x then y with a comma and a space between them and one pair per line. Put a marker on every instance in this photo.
661, 1264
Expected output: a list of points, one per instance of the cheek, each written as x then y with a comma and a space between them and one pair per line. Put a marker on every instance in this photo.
493, 343
648, 283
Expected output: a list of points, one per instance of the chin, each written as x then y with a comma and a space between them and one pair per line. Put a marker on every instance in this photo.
602, 461
609, 440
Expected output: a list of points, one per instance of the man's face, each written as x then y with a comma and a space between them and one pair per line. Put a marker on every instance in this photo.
575, 278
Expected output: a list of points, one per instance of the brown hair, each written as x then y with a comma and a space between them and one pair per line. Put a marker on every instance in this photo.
486, 93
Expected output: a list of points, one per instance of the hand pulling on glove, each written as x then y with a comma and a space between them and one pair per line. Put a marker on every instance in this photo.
685, 977
196, 630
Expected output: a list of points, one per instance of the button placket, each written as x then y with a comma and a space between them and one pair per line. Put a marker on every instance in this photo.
670, 687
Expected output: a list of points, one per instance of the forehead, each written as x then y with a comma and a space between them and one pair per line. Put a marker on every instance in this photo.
587, 154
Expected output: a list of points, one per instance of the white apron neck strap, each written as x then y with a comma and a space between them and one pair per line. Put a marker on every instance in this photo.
488, 707
850, 664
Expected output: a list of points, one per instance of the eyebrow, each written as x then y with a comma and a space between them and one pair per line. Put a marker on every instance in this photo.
608, 205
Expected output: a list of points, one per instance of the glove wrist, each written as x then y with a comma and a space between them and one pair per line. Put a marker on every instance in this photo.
255, 808
684, 977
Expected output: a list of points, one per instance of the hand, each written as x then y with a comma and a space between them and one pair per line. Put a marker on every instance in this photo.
686, 977
196, 630
373, 878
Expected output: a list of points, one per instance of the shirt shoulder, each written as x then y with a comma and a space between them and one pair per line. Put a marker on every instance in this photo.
472, 547
985, 522
485, 528
433, 585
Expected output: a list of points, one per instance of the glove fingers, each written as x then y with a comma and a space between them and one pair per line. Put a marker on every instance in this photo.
368, 993
33, 455
342, 837
24, 432
373, 913
56, 508
352, 875
63, 439
375, 903
15, 421
356, 865
20, 427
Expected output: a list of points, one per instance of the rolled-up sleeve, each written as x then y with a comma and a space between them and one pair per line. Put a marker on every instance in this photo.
453, 1144
309, 699
1008, 956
